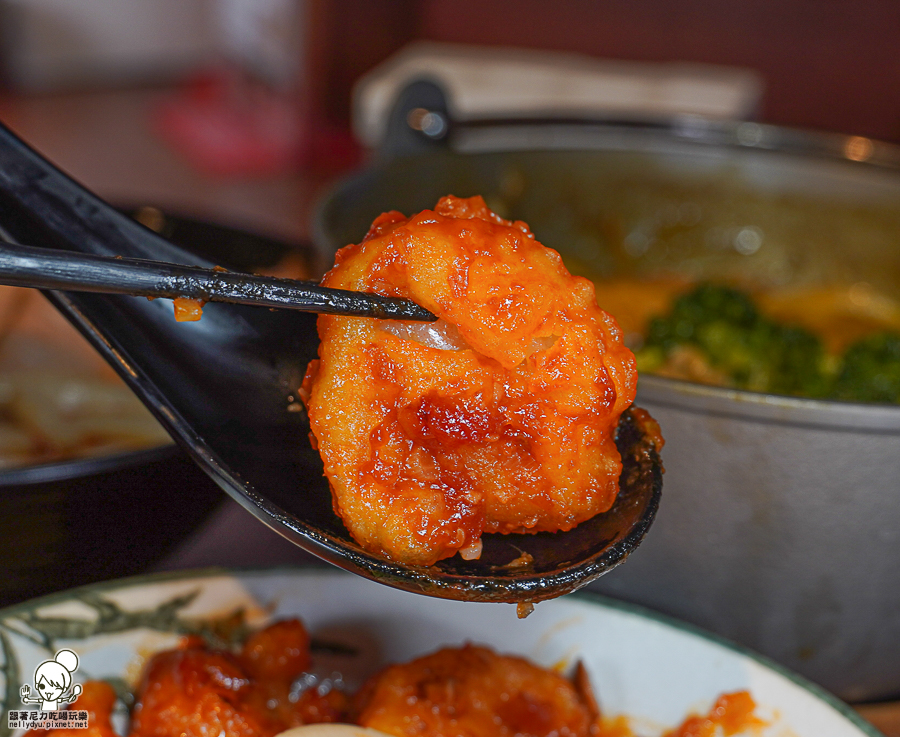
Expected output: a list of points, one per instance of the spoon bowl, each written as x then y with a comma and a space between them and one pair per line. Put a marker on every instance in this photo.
225, 389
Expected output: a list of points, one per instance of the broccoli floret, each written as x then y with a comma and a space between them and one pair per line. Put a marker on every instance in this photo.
723, 325
756, 353
870, 370
705, 305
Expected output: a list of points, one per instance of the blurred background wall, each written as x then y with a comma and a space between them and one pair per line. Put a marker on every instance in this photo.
828, 64
53, 44
240, 110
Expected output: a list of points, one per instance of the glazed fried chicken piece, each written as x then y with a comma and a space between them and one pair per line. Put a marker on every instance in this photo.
500, 417
473, 692
194, 691
98, 699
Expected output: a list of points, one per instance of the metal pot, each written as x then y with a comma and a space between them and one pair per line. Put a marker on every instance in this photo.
780, 524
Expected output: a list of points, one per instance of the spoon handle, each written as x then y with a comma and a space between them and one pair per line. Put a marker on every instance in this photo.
43, 268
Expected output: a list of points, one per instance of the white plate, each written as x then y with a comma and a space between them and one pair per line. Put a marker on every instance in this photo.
641, 664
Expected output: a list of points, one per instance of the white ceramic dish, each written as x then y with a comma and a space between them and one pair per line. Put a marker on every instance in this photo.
642, 665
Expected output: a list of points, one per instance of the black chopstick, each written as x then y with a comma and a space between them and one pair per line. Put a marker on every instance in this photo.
46, 268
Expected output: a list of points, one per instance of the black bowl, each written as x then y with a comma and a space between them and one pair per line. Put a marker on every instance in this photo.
74, 522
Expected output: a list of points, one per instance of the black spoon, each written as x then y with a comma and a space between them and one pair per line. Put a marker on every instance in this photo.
224, 388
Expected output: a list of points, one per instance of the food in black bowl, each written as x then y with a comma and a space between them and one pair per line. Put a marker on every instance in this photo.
91, 487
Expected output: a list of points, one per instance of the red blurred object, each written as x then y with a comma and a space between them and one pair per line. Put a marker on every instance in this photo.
229, 125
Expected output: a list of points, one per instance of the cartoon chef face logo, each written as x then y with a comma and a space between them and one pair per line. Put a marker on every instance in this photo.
52, 679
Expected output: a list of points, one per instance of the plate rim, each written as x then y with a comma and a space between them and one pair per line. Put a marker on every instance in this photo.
589, 597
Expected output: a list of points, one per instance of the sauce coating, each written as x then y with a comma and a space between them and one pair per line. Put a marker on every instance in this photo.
732, 713
195, 691
473, 692
500, 417
98, 699
470, 691
187, 310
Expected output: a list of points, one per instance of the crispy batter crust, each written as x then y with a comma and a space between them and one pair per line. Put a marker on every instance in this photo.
473, 692
500, 417
195, 691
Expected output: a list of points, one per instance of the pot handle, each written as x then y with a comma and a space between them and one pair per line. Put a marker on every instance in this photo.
418, 122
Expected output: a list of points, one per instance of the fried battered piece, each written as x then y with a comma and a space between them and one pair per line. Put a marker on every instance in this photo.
732, 713
196, 692
472, 692
500, 417
98, 699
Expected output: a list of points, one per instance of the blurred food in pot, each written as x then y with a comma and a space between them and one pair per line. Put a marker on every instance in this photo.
800, 296
835, 342
746, 220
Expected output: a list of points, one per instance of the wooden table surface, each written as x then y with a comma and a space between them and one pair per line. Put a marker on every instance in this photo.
885, 717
